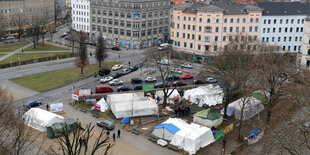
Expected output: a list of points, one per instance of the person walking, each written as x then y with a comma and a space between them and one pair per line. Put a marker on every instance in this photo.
22, 50
108, 134
118, 133
47, 107
129, 63
114, 137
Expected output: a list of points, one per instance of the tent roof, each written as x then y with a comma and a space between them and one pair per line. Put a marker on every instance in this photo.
41, 115
169, 126
208, 114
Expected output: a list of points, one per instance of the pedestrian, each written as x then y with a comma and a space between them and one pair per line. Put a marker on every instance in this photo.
140, 122
176, 111
118, 133
129, 63
108, 134
127, 49
119, 56
22, 50
114, 137
47, 107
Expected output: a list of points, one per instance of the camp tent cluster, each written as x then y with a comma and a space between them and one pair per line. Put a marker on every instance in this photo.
132, 105
189, 137
205, 95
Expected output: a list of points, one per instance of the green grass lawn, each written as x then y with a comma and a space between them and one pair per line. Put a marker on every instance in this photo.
29, 56
12, 47
49, 80
2, 55
46, 47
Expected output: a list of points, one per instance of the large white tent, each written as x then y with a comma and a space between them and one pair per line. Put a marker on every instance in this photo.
174, 94
39, 119
189, 137
209, 95
251, 107
132, 105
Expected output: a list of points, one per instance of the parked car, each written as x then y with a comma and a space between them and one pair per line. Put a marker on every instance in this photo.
133, 68
115, 48
104, 71
123, 88
106, 79
116, 74
163, 46
186, 65
179, 83
172, 78
211, 80
10, 37
125, 71
117, 67
138, 87
64, 35
158, 85
198, 81
116, 82
176, 70
103, 89
187, 76
149, 80
107, 124
164, 62
136, 80
32, 104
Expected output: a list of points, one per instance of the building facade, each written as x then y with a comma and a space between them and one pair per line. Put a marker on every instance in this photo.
283, 24
204, 30
305, 53
27, 10
80, 15
130, 23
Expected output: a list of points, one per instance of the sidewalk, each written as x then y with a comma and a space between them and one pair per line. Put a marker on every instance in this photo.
14, 52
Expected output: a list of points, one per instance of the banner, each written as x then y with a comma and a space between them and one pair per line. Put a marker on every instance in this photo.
75, 96
148, 87
56, 107
84, 92
229, 128
219, 134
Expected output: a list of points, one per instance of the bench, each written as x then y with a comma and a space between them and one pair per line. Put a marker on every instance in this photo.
153, 138
173, 147
136, 131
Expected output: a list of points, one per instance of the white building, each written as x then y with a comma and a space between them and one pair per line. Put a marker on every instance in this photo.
305, 55
80, 15
283, 24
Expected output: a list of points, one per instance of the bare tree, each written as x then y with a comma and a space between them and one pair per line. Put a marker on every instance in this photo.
82, 58
78, 141
44, 19
72, 37
101, 53
2, 24
34, 30
19, 21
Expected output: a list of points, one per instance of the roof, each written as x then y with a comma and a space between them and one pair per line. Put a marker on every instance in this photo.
208, 114
178, 2
169, 126
284, 8
137, 1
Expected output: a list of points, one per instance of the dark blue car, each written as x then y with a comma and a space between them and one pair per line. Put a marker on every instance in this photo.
32, 104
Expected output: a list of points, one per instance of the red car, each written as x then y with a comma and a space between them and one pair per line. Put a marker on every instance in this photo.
103, 89
187, 76
178, 83
198, 81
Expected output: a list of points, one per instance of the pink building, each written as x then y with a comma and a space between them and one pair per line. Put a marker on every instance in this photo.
205, 29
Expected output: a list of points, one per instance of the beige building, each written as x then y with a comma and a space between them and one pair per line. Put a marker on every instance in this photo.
25, 11
305, 53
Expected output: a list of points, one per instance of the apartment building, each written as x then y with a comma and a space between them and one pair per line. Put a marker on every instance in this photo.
27, 10
282, 24
131, 23
305, 53
80, 15
203, 29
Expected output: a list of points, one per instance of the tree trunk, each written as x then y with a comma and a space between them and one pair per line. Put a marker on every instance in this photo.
19, 37
99, 64
268, 115
81, 70
43, 39
72, 47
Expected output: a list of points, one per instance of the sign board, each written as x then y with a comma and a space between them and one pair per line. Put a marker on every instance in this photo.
56, 107
219, 134
84, 92
75, 96
148, 87
229, 128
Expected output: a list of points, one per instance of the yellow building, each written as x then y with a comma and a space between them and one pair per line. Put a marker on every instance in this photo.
24, 12
68, 4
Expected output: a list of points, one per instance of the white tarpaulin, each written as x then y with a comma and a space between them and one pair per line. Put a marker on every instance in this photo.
103, 105
132, 105
84, 92
252, 106
168, 128
39, 119
56, 107
209, 95
174, 94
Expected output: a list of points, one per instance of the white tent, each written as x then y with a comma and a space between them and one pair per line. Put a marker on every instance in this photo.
252, 106
174, 94
209, 95
193, 137
132, 105
103, 105
208, 118
39, 119
167, 129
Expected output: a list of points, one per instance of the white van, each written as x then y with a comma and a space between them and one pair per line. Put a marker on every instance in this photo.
163, 46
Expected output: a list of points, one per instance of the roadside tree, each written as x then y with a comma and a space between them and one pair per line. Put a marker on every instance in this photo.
82, 57
101, 52
19, 21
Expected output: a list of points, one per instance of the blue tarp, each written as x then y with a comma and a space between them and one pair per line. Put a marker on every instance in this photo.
88, 100
125, 120
170, 127
254, 132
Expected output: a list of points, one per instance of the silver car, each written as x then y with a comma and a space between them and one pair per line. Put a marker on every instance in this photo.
106, 79
150, 79
211, 80
116, 82
187, 65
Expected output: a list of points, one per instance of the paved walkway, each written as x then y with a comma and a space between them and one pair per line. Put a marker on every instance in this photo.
14, 52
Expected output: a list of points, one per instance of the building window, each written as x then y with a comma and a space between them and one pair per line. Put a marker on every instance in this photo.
116, 14
143, 33
155, 31
135, 33
215, 48
188, 27
216, 29
280, 29
296, 38
208, 20
178, 34
199, 37
110, 30
149, 23
243, 28
284, 39
178, 26
264, 30
191, 45
301, 29
251, 20
285, 29
122, 23
189, 18
99, 12
122, 14
136, 24
188, 36
225, 20
257, 20
183, 35
99, 28
297, 29
93, 11
291, 29
184, 26
143, 24
281, 21
225, 29
207, 38
200, 20
116, 31
128, 15
104, 29
110, 21
128, 24
238, 20
244, 20
272, 39
184, 18
185, 44
193, 37
237, 29
217, 20
194, 19
128, 33
155, 22
208, 29
199, 47
216, 38
200, 28
110, 13
265, 21
149, 32
279, 39
230, 29
116, 22
300, 38
250, 29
